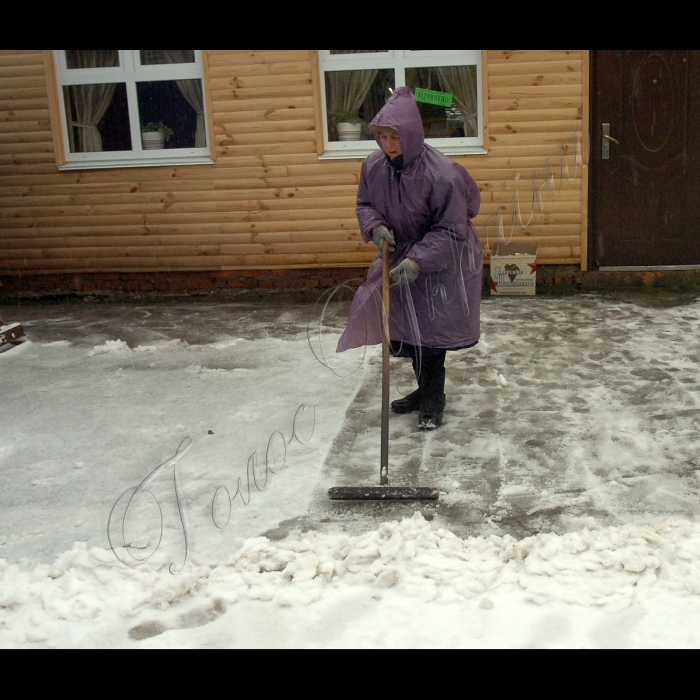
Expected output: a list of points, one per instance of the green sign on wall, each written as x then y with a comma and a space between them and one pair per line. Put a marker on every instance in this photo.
432, 97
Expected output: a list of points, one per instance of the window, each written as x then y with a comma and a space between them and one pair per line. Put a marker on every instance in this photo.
132, 107
355, 84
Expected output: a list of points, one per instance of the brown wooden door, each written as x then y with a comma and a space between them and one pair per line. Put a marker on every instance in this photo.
645, 200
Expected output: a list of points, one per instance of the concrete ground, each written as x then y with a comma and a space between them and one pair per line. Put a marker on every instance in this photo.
600, 416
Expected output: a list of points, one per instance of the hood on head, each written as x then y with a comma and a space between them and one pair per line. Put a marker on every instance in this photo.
401, 113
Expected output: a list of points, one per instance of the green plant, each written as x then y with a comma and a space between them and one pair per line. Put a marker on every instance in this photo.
339, 116
158, 126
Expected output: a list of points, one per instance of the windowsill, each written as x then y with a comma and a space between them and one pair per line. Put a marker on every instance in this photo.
141, 163
362, 153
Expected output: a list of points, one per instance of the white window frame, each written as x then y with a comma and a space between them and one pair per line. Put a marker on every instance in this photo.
130, 71
399, 61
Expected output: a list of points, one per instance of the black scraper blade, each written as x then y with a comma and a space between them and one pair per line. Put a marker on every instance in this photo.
383, 493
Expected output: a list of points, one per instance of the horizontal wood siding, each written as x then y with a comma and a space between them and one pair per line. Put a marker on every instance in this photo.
267, 202
536, 102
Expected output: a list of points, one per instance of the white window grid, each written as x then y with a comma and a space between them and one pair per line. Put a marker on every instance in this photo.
399, 61
130, 71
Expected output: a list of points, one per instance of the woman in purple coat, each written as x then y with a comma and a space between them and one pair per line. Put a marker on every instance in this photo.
422, 203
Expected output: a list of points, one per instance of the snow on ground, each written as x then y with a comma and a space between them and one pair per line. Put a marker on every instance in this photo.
404, 584
568, 468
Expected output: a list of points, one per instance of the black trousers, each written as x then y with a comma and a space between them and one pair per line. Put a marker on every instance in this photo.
429, 367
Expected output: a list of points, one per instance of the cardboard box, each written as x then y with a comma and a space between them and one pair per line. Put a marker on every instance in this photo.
514, 270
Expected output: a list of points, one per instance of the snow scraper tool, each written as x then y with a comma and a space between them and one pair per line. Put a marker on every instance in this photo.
11, 334
384, 492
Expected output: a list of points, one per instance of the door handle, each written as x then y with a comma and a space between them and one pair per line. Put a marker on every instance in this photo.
607, 139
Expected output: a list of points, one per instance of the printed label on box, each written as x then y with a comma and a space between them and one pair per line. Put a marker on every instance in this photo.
514, 275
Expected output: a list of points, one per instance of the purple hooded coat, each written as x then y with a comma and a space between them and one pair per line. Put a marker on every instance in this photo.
429, 208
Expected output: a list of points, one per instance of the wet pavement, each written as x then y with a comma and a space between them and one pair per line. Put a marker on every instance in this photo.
600, 416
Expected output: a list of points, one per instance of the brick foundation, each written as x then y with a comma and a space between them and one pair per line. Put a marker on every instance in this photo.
105, 284
571, 278
550, 279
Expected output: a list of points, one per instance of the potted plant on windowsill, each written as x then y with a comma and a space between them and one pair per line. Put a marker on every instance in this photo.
348, 125
154, 135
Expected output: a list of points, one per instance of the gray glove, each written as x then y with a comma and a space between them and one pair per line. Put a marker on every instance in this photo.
381, 234
405, 272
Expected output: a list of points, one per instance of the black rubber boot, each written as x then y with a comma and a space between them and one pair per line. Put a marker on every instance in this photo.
432, 412
429, 398
432, 385
408, 404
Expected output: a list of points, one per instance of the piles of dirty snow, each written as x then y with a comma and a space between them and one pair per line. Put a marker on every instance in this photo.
596, 567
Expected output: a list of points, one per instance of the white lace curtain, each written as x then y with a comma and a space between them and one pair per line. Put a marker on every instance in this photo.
347, 90
87, 104
150, 57
91, 102
461, 82
192, 91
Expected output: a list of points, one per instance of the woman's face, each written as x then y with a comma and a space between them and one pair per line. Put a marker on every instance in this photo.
391, 143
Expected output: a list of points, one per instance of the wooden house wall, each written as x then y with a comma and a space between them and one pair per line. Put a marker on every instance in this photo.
268, 202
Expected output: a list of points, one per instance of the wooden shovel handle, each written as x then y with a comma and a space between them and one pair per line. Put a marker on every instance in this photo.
386, 302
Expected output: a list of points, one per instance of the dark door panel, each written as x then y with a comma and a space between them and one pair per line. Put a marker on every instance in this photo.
645, 197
